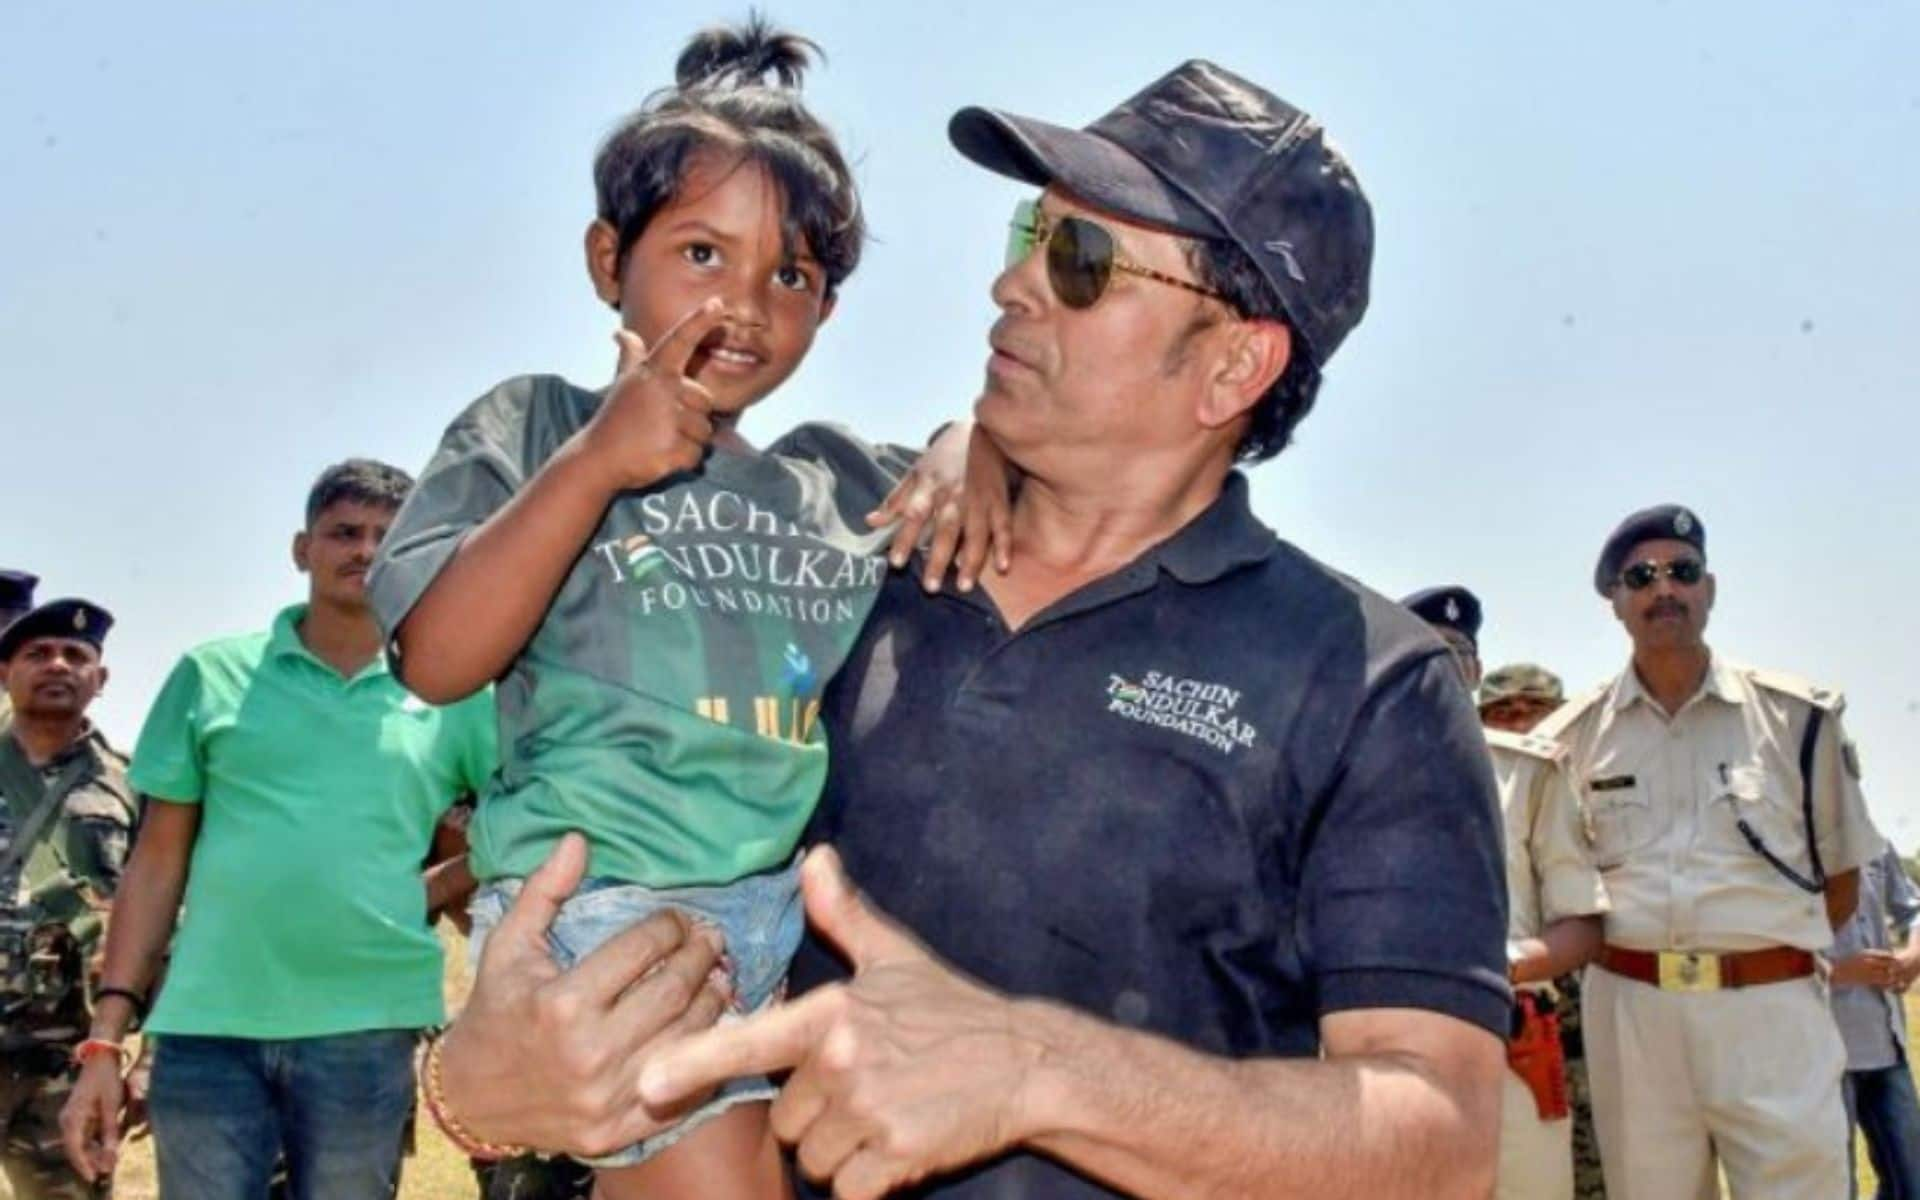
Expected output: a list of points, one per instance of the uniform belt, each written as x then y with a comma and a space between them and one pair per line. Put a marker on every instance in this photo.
1688, 971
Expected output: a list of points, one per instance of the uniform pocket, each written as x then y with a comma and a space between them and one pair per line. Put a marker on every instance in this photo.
1623, 822
1755, 797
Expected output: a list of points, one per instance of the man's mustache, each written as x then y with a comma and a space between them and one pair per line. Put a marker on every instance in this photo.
1667, 608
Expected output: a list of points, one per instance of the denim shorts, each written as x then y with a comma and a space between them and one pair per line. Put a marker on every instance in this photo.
759, 916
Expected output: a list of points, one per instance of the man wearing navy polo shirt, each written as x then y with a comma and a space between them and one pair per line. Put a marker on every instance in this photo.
1180, 854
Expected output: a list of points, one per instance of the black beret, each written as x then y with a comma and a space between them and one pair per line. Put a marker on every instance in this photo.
16, 589
80, 620
1454, 607
1659, 523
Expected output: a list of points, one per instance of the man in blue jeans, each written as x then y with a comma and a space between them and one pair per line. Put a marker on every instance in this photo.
1869, 981
293, 789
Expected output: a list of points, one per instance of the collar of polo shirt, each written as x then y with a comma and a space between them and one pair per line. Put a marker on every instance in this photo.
1220, 539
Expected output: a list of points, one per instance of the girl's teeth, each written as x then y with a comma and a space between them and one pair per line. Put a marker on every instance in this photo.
734, 356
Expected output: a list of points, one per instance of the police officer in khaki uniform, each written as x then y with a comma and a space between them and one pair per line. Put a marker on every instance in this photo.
1554, 898
16, 597
66, 818
1729, 827
1517, 697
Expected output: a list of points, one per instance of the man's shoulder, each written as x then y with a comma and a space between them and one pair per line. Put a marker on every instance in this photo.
1525, 746
1796, 687
1320, 601
230, 652
104, 793
110, 757
1562, 722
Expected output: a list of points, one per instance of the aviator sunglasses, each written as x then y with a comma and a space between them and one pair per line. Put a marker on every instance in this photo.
1082, 256
1681, 570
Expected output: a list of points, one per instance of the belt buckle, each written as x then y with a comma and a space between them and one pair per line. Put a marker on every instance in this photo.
1682, 972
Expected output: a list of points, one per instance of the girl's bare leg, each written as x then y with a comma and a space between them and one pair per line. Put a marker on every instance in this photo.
732, 1157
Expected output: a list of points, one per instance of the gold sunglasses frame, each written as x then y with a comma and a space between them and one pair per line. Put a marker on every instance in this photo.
1032, 220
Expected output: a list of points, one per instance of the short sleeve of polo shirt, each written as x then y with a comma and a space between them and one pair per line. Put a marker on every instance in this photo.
1403, 888
481, 461
168, 760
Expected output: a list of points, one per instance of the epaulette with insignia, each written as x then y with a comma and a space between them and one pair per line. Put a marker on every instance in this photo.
1561, 719
1800, 689
1525, 743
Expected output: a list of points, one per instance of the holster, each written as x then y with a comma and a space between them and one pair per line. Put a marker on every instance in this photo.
1534, 1054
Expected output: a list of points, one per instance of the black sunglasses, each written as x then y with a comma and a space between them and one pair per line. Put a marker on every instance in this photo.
1641, 575
1082, 256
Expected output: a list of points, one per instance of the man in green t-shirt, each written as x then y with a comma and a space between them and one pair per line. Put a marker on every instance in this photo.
293, 789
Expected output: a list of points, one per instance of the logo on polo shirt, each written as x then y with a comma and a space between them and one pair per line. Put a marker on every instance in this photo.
1196, 708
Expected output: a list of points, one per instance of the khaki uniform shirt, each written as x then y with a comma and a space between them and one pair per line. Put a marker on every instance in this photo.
1664, 794
1550, 871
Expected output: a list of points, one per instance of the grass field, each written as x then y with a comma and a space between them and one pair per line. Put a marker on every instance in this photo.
438, 1172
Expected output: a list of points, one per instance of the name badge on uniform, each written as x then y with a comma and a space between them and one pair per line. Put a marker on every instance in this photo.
1611, 783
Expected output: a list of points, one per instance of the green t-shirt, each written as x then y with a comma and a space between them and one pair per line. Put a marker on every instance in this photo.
666, 706
305, 914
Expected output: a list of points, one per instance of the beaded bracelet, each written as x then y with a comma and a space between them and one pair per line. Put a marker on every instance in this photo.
458, 1134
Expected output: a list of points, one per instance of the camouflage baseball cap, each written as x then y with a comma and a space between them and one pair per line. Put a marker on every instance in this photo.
1521, 681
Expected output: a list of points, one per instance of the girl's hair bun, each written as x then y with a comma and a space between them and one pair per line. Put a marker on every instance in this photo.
745, 55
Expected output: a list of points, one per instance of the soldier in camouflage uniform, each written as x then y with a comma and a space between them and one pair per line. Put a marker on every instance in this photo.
65, 824
1515, 698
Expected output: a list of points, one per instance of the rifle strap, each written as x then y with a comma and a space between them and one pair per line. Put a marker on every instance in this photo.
40, 799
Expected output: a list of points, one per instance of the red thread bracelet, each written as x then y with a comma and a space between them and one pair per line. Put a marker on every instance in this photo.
95, 1047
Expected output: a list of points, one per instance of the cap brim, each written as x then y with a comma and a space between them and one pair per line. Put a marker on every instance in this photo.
1086, 164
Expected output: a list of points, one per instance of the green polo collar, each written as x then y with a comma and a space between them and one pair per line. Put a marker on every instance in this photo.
284, 642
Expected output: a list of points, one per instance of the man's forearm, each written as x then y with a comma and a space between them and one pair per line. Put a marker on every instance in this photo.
1565, 945
144, 911
448, 882
1842, 897
1154, 1119
467, 626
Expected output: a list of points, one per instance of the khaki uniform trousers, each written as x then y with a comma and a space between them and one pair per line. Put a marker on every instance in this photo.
1536, 1156
1750, 1076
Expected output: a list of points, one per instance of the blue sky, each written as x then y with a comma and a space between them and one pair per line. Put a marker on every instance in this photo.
1647, 252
